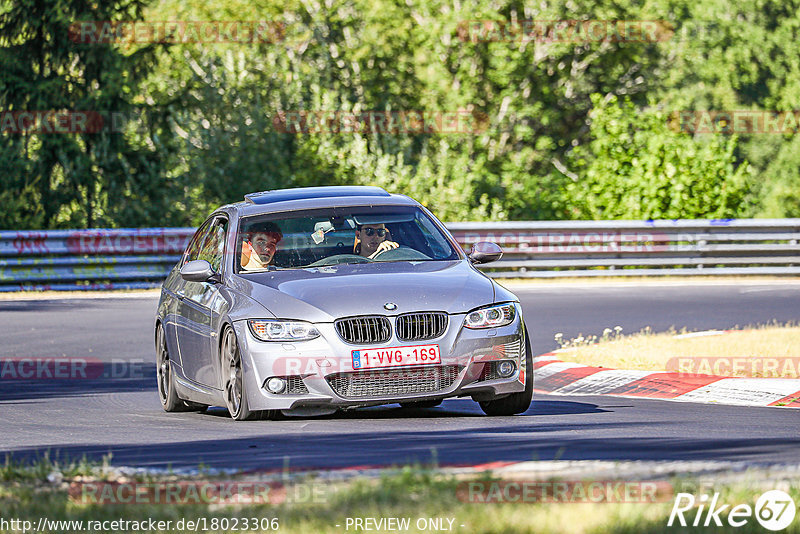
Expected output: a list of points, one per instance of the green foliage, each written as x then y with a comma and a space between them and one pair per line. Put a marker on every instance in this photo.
205, 129
781, 194
87, 178
637, 167
363, 56
737, 56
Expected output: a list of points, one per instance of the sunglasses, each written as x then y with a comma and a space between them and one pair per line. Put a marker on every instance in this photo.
372, 231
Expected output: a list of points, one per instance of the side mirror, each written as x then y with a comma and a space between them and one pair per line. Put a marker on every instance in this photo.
199, 271
485, 252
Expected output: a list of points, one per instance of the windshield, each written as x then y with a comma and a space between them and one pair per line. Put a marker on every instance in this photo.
333, 236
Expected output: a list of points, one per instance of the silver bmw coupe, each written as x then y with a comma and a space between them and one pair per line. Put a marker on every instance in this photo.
307, 301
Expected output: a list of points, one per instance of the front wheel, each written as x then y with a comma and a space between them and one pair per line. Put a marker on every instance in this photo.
170, 400
233, 373
515, 403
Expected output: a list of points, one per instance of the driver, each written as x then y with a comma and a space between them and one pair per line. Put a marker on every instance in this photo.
372, 239
259, 246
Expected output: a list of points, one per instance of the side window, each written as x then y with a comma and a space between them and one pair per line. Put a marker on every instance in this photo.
193, 249
212, 248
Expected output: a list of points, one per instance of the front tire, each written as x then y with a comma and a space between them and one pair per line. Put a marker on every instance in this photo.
515, 403
170, 400
233, 374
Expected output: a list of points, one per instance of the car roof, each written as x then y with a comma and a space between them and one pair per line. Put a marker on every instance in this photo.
303, 198
305, 193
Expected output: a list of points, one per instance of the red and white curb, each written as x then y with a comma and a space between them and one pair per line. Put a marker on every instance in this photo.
553, 376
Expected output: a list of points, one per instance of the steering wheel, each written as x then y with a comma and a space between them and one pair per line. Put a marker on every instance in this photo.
402, 252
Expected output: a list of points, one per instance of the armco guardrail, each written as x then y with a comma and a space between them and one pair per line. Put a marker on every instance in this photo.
642, 248
89, 259
138, 258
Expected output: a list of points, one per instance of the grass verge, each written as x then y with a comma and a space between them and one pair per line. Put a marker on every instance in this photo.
771, 351
429, 500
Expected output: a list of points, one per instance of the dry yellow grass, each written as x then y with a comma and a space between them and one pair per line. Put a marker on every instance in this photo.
770, 351
53, 295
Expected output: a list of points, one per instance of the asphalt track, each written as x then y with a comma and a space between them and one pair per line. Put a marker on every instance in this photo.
122, 416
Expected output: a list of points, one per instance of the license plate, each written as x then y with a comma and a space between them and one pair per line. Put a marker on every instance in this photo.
396, 356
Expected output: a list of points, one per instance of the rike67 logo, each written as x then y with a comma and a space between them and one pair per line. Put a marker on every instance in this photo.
774, 510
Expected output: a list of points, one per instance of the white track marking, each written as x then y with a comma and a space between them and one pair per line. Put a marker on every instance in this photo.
553, 368
744, 391
601, 382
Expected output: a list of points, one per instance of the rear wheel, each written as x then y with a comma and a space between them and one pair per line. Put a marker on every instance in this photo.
515, 403
170, 400
233, 373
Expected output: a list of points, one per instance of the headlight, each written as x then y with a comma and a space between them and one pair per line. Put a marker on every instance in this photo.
275, 330
491, 317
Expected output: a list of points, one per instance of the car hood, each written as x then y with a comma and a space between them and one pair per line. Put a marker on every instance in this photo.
324, 294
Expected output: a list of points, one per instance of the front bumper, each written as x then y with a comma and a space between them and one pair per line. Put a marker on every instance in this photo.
321, 374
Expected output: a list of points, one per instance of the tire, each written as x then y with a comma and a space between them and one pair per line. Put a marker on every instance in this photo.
170, 400
233, 374
422, 404
515, 403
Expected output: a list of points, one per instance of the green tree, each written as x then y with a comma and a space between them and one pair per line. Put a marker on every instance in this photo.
355, 55
89, 178
727, 55
637, 166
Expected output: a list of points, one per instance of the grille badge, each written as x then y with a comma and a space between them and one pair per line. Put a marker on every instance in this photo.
390, 306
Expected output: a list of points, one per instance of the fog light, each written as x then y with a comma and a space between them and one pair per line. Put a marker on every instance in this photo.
276, 385
505, 369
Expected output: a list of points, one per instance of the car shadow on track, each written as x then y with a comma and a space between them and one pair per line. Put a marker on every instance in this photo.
449, 409
96, 378
468, 408
34, 306
277, 448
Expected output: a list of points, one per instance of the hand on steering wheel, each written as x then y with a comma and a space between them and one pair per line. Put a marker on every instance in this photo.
383, 247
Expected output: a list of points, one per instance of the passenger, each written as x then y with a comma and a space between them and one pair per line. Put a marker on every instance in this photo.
259, 246
372, 239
